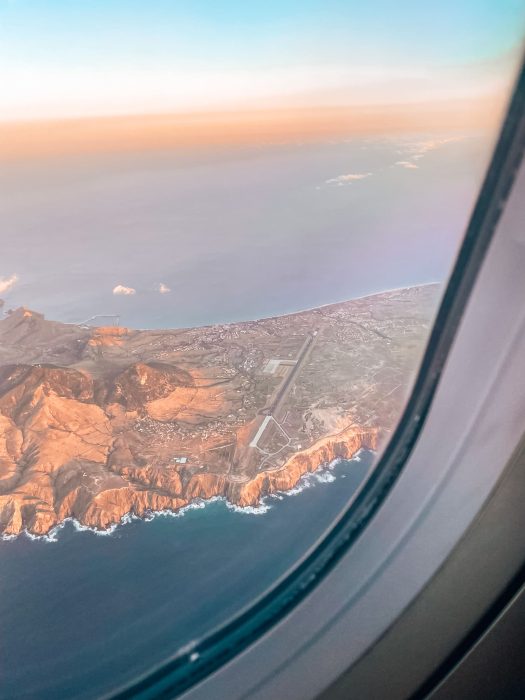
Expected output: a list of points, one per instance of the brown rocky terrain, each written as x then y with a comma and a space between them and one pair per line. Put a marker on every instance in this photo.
98, 423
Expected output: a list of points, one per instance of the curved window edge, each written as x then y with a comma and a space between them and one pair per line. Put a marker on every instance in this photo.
193, 665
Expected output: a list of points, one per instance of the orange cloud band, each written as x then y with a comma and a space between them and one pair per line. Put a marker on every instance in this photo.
34, 139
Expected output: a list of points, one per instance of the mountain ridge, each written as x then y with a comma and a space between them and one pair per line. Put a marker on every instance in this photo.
100, 431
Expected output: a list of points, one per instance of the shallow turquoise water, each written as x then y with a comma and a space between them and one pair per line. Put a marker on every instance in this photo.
81, 616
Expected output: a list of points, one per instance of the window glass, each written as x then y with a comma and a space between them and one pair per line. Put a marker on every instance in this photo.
224, 233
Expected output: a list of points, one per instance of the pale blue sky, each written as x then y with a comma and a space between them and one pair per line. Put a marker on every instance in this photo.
56, 55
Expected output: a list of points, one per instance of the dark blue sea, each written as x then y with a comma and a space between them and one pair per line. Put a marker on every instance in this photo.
87, 613
232, 234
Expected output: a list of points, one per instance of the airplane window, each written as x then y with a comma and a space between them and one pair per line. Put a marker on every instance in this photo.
226, 229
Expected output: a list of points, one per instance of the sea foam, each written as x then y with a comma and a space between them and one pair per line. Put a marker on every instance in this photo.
322, 475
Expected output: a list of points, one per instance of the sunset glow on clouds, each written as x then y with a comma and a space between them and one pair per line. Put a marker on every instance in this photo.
121, 290
347, 179
417, 150
414, 152
7, 283
61, 59
49, 92
407, 164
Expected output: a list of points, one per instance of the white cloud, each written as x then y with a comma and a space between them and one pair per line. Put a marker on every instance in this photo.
423, 147
6, 283
416, 150
347, 179
163, 288
407, 164
120, 289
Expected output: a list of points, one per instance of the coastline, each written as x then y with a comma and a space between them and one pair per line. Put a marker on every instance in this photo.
261, 319
98, 430
321, 474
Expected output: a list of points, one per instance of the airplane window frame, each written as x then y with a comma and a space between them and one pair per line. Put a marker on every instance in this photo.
188, 670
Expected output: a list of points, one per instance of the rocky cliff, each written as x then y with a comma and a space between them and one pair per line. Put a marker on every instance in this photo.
67, 451
64, 455
97, 423
344, 445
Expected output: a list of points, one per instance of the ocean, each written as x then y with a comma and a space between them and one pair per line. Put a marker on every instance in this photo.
234, 233
86, 613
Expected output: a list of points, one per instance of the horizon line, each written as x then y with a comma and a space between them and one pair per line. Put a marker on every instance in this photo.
132, 132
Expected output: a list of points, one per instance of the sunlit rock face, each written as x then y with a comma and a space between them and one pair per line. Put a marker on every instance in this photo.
97, 424
140, 384
342, 446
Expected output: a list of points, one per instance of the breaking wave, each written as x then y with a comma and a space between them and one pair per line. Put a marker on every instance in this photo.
322, 475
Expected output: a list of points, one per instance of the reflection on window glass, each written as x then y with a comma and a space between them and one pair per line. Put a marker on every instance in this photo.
225, 230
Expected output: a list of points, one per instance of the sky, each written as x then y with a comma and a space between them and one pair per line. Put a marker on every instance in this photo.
229, 130
83, 58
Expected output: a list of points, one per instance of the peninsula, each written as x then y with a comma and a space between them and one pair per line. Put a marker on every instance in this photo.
97, 423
